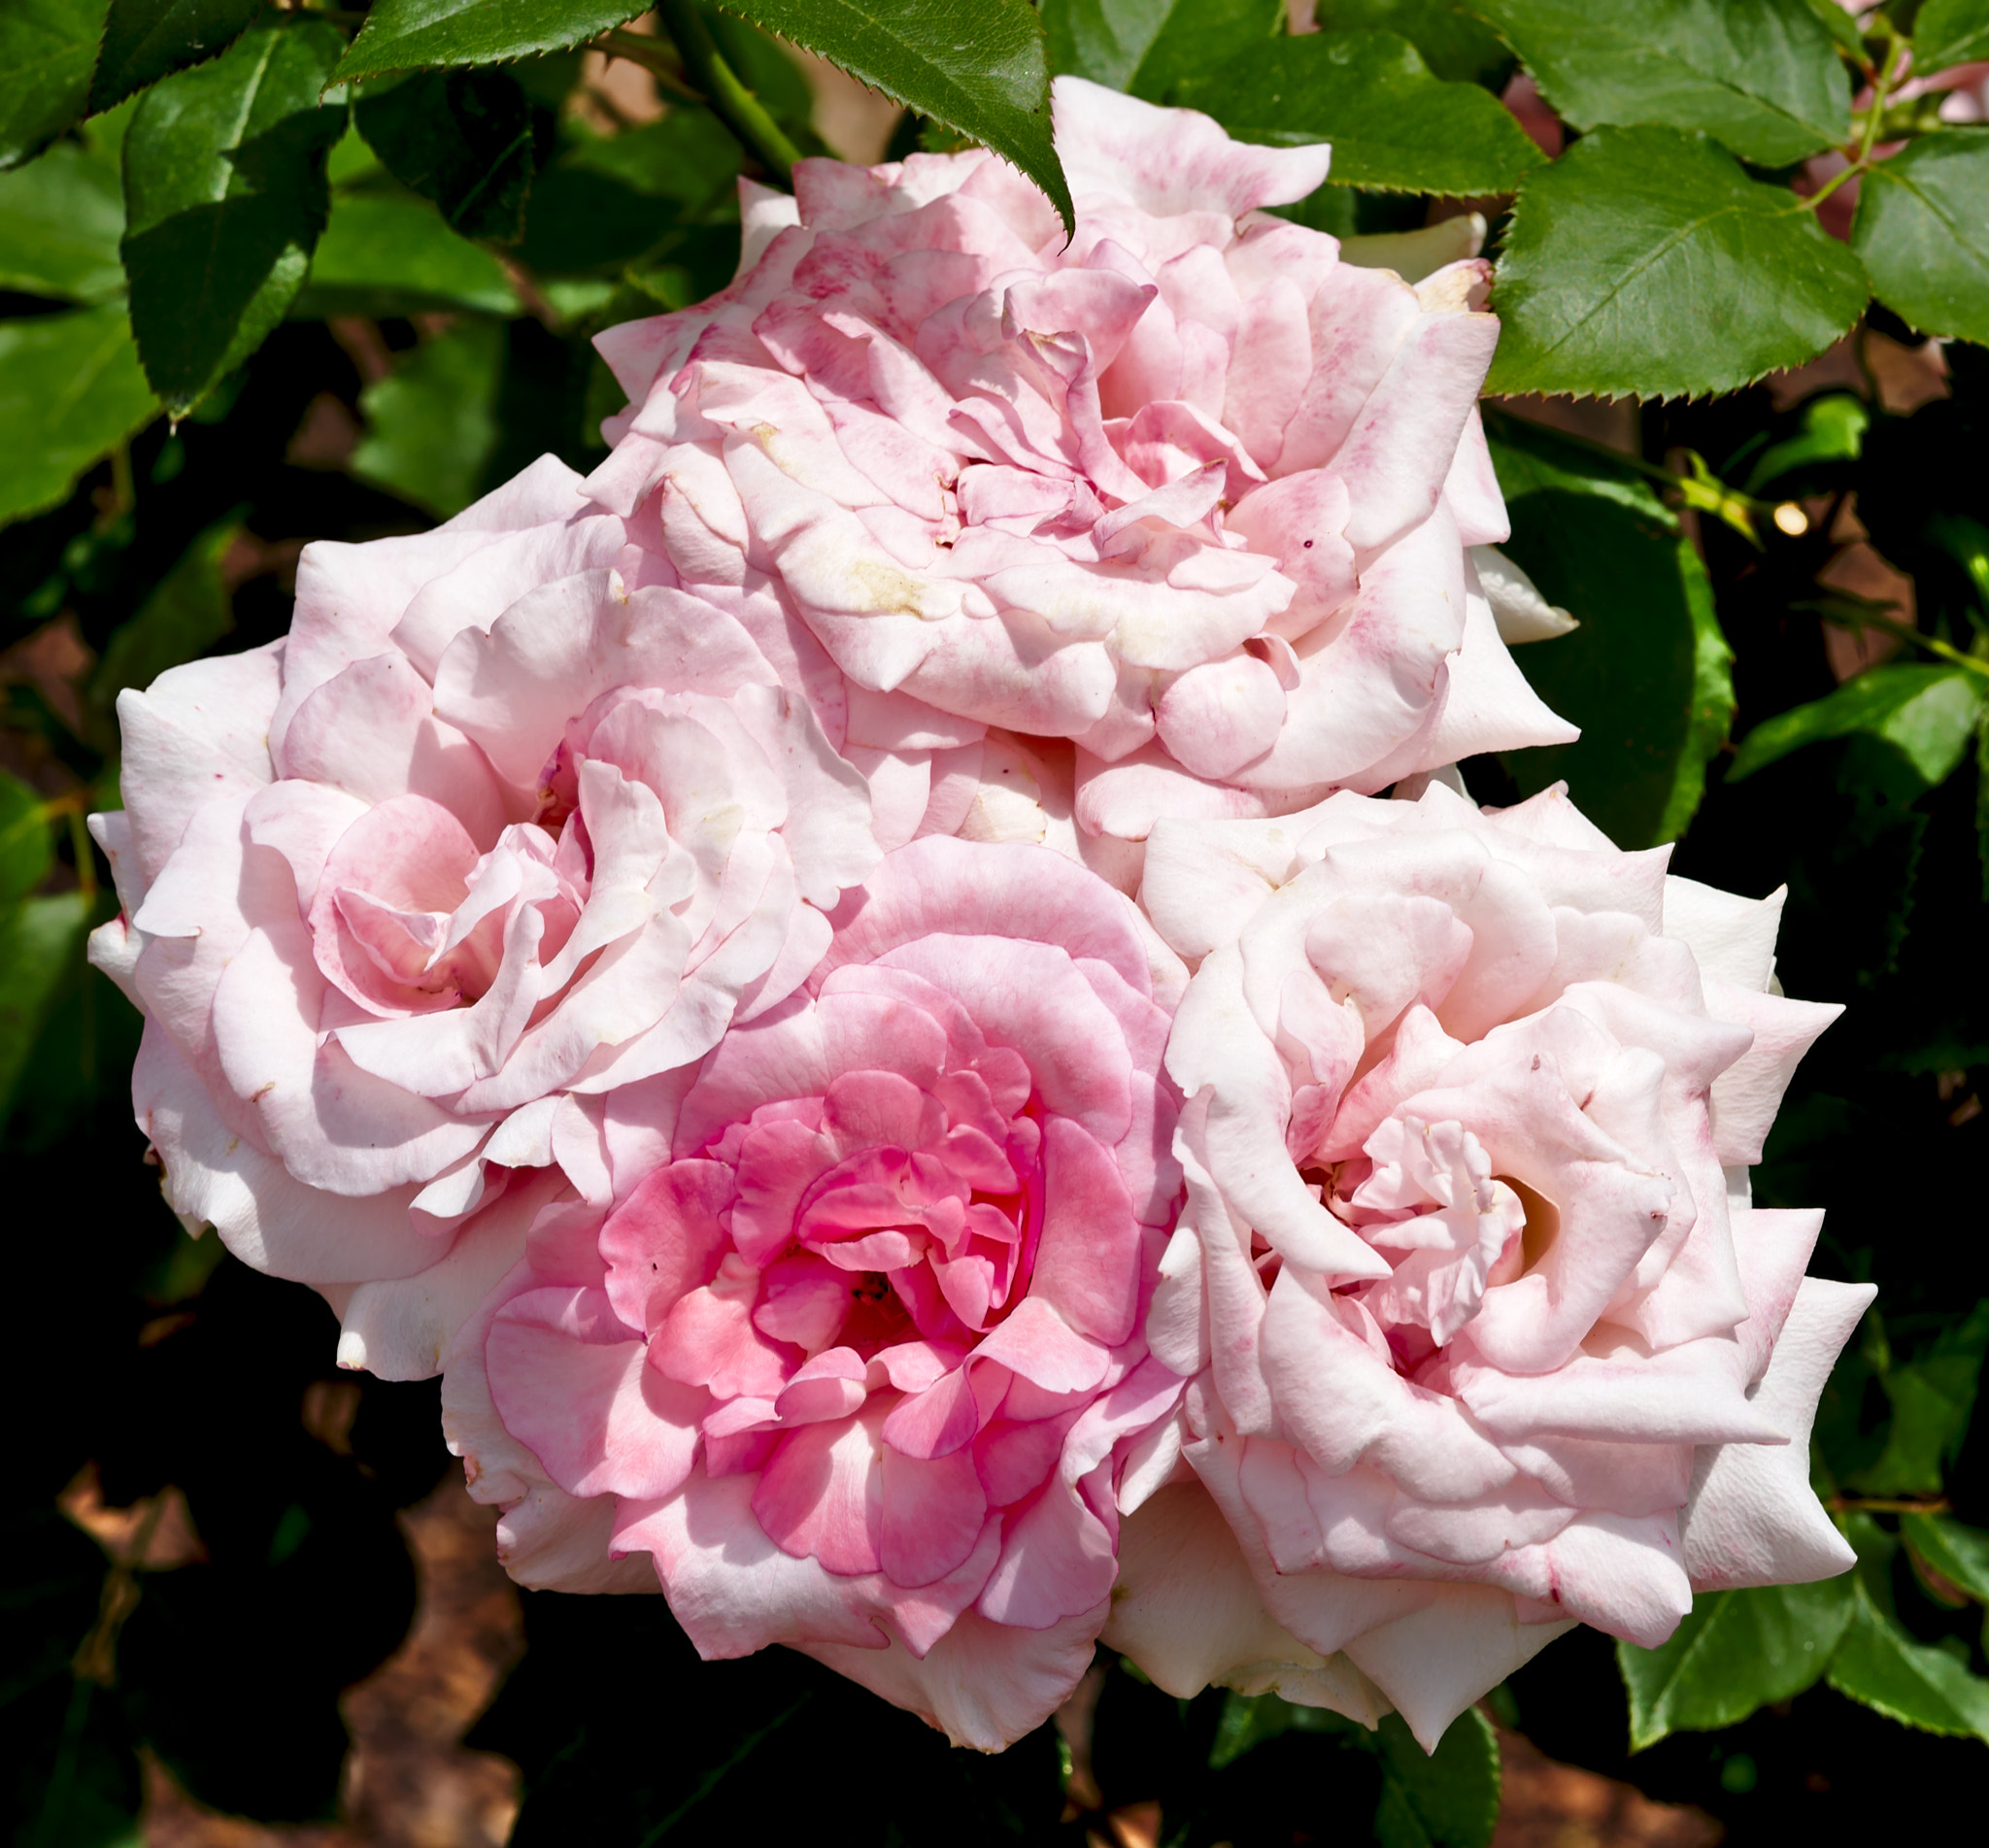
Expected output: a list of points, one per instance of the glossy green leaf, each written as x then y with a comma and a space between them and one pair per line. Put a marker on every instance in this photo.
70, 388
1840, 25
1933, 1398
40, 941
1647, 675
1831, 430
146, 40
60, 220
26, 851
1734, 1651
687, 156
1646, 262
186, 614
460, 138
226, 196
413, 35
47, 48
1455, 43
431, 424
1248, 1720
389, 253
1959, 1553
1145, 46
1917, 1685
976, 66
1949, 32
1760, 76
1391, 124
1926, 713
1922, 231
1446, 1799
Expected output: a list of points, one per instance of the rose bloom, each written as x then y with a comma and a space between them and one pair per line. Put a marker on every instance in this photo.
502, 825
1485, 1335
1186, 503
845, 1336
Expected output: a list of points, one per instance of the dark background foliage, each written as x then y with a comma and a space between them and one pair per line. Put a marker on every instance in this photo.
1784, 598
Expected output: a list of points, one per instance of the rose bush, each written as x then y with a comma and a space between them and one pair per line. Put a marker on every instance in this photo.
1186, 492
1485, 1334
503, 823
845, 1335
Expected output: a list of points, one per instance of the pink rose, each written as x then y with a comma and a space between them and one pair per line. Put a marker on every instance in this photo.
1486, 1336
501, 824
1188, 492
847, 1339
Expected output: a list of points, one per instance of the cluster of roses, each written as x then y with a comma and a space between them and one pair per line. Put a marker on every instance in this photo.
847, 982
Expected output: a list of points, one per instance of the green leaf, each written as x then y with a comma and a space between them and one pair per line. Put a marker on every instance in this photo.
70, 390
1446, 1799
413, 35
1646, 676
146, 40
47, 51
1923, 232
26, 851
461, 138
1458, 46
1949, 32
1735, 1651
1840, 25
1832, 429
1960, 1553
1645, 262
390, 253
1145, 46
976, 66
1880, 1664
1760, 76
431, 424
225, 195
1391, 124
1248, 1720
60, 220
687, 156
1925, 712
188, 612
1933, 1398
40, 939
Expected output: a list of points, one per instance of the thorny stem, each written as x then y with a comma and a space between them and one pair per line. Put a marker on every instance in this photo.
1837, 610
1698, 491
1882, 79
735, 105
